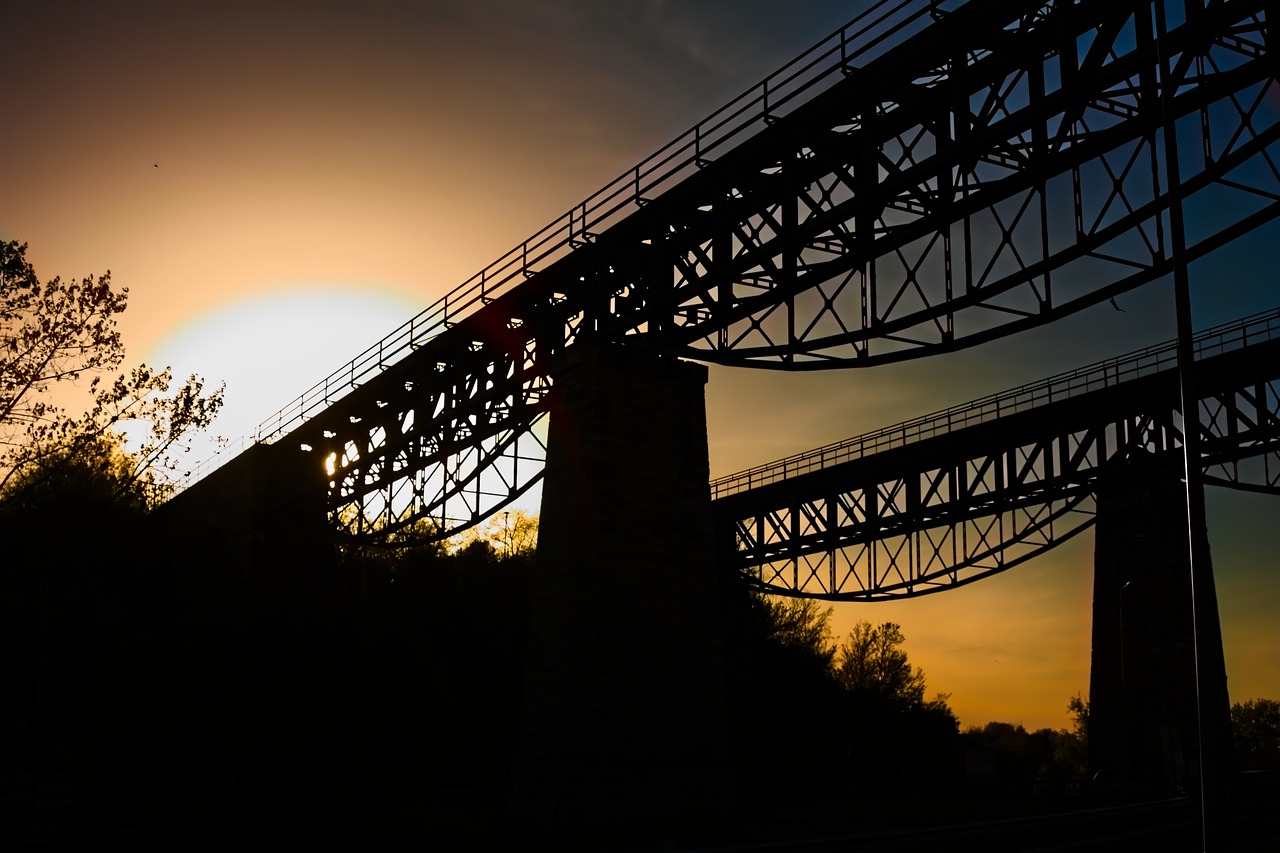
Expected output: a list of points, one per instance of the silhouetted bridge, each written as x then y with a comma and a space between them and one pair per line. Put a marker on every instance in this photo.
955, 496
932, 176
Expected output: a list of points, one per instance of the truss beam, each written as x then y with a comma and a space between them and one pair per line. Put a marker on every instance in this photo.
963, 504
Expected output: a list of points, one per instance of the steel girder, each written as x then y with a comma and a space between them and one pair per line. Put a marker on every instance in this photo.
948, 499
998, 170
1240, 423
441, 440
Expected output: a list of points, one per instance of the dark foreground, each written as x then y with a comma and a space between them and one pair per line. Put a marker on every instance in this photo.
1172, 825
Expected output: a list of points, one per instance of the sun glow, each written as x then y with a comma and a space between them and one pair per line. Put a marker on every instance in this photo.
269, 349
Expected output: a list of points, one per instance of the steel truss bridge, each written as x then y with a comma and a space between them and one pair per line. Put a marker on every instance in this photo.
949, 498
931, 176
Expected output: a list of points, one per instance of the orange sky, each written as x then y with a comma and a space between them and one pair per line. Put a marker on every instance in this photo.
279, 186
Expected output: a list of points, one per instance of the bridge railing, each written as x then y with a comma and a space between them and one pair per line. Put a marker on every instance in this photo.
205, 467
873, 32
1238, 334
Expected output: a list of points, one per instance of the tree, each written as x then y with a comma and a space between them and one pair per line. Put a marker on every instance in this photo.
801, 625
786, 680
872, 662
914, 739
519, 533
54, 334
1071, 746
1256, 726
788, 637
99, 472
505, 534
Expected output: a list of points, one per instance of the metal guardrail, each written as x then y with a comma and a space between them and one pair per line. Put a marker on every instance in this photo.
232, 448
1227, 337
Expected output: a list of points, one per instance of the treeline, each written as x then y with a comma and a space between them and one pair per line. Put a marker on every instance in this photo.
850, 722
823, 722
1006, 760
149, 681
1256, 726
156, 680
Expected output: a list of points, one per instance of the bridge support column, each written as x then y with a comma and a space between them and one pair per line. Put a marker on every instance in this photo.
259, 522
624, 713
1142, 686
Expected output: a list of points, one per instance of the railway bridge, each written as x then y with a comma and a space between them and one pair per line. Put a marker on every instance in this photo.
934, 175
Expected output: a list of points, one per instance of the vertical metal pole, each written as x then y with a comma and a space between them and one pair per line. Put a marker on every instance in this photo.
1197, 529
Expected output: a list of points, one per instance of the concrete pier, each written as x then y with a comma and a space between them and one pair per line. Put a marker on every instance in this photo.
624, 711
1143, 699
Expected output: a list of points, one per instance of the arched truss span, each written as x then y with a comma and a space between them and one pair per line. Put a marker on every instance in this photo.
447, 441
949, 499
909, 565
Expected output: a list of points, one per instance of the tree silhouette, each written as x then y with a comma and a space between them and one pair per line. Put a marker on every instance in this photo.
97, 473
58, 332
1256, 725
800, 626
786, 680
872, 665
1071, 746
1018, 764
506, 534
872, 662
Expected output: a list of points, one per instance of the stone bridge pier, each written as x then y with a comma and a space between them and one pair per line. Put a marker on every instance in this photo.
624, 704
1142, 688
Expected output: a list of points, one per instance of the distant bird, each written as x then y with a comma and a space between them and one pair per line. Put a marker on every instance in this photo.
1112, 300
157, 165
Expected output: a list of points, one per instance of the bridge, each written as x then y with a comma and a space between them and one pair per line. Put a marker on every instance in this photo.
932, 176
956, 496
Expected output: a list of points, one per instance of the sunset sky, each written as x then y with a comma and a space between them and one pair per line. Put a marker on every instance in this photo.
279, 185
